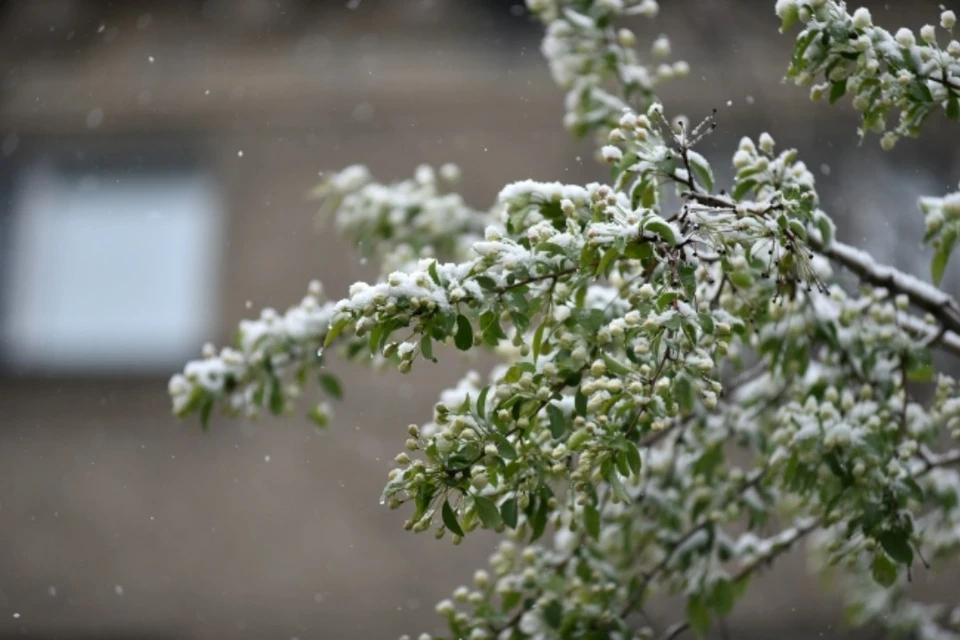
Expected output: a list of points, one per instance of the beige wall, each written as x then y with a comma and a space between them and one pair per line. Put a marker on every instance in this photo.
99, 487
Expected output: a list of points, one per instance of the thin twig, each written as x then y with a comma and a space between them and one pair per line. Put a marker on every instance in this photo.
939, 304
547, 276
751, 567
651, 575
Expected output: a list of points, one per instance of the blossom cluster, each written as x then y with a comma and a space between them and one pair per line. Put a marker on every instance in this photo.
886, 73
596, 62
401, 222
942, 222
270, 363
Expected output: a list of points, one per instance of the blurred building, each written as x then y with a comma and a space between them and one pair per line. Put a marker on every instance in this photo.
154, 161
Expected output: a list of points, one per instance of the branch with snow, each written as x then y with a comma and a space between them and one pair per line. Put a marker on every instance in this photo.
924, 296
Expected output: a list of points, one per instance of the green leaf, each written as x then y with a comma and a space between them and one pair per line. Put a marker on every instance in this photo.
432, 270
742, 187
538, 340
615, 366
318, 416
661, 228
276, 396
488, 512
331, 385
464, 337
511, 600
374, 339
482, 401
589, 320
897, 545
913, 488
942, 255
558, 422
205, 410
665, 298
423, 500
608, 257
708, 462
706, 323
740, 586
505, 449
920, 366
633, 459
579, 437
426, 348
723, 597
638, 250
508, 511
588, 256
833, 461
490, 328
621, 463
826, 229
335, 331
797, 228
553, 614
953, 108
698, 615
617, 487
683, 390
580, 403
198, 398
520, 320
741, 279
538, 523
486, 282
803, 42
702, 168
837, 89
591, 520
920, 92
884, 571
791, 14
450, 519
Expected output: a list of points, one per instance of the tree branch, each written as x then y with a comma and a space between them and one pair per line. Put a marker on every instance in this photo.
934, 461
759, 562
937, 303
649, 577
932, 335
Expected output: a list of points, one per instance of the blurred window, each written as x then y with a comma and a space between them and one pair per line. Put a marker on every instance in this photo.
110, 270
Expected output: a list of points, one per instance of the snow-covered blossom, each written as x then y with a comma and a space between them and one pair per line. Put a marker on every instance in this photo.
886, 73
948, 19
256, 373
942, 221
585, 56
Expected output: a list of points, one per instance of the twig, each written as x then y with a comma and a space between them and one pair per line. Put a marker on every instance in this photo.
922, 295
533, 279
651, 575
931, 335
751, 567
934, 461
939, 304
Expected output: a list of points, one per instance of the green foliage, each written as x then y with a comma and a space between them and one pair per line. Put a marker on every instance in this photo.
887, 74
643, 339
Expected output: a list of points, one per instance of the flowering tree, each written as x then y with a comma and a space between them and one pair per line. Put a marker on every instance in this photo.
680, 373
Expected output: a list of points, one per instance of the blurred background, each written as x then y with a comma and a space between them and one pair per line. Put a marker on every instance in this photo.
154, 161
